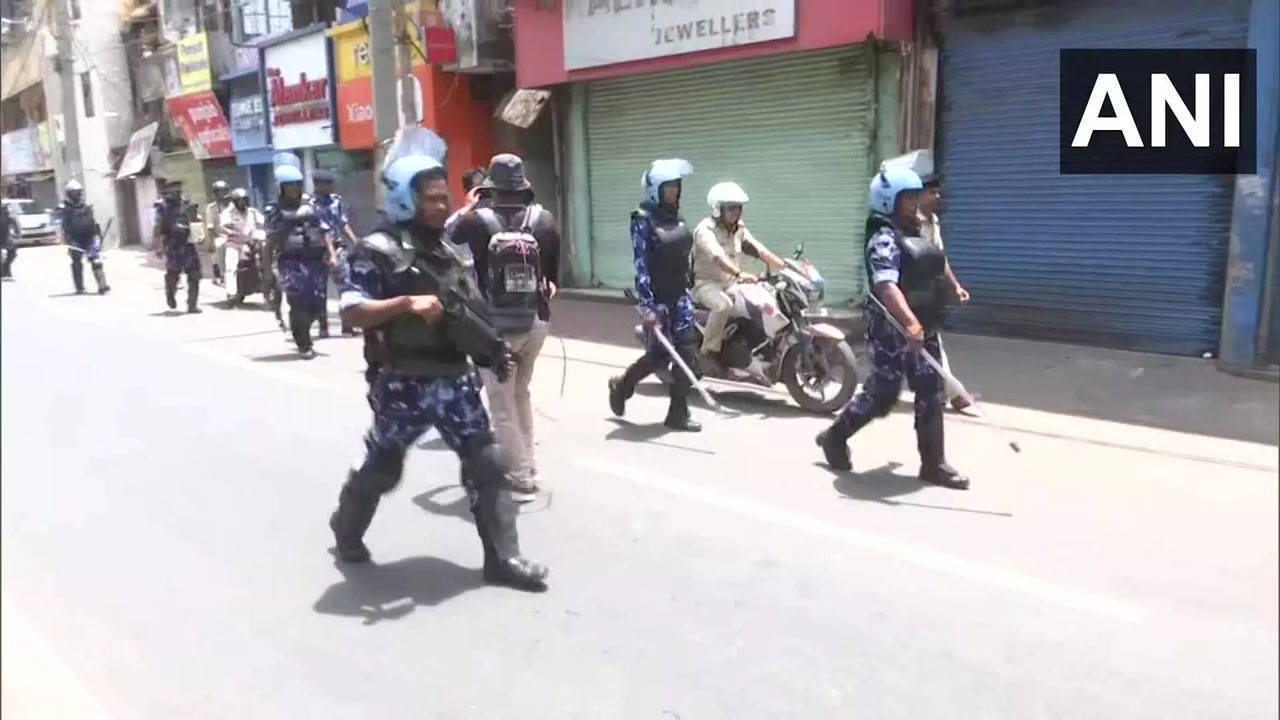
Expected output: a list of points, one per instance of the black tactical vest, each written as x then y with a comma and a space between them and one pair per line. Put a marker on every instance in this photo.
299, 235
175, 223
406, 343
922, 273
668, 258
77, 222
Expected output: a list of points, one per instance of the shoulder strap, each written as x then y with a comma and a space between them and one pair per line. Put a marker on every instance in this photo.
391, 248
531, 215
491, 220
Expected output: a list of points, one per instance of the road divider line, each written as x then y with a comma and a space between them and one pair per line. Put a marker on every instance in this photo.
896, 549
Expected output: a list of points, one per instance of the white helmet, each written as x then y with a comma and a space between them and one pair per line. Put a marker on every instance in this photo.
74, 185
725, 193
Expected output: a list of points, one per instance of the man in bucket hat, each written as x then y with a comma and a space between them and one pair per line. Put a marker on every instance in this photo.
515, 244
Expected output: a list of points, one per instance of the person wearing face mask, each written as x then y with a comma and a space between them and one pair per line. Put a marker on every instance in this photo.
303, 248
720, 243
238, 223
515, 246
333, 211
661, 245
172, 237
83, 237
407, 284
214, 238
907, 275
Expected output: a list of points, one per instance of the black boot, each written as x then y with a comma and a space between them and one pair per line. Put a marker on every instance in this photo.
171, 291
77, 277
300, 327
350, 521
100, 278
193, 294
834, 441
617, 396
495, 512
496, 524
678, 412
933, 466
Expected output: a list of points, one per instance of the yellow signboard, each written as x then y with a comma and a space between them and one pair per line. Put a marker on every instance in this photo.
193, 64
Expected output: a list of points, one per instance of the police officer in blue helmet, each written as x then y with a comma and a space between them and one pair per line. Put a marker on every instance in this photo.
661, 244
906, 274
412, 290
172, 237
304, 252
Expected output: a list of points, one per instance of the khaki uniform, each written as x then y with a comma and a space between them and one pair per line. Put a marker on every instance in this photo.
711, 282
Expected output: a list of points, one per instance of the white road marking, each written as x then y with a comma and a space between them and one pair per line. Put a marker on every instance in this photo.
37, 684
889, 547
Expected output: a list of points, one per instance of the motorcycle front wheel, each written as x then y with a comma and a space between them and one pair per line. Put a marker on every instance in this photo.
823, 381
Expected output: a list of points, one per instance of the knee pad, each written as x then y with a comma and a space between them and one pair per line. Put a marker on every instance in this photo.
483, 469
380, 472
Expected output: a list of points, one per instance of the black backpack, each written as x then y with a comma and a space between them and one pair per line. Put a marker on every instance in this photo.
515, 283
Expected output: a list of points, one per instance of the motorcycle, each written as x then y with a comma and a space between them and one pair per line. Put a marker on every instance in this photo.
248, 275
777, 334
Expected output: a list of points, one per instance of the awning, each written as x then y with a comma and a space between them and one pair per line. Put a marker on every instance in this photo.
139, 152
21, 68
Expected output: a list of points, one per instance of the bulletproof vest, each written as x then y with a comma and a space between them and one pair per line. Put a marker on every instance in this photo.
407, 343
78, 221
299, 236
922, 280
668, 258
514, 284
175, 222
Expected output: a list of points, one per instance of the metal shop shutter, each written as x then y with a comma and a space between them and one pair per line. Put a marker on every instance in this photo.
793, 131
1123, 261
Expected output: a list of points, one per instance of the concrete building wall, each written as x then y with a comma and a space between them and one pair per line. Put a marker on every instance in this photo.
97, 52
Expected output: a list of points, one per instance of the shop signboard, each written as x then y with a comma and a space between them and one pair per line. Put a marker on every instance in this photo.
604, 32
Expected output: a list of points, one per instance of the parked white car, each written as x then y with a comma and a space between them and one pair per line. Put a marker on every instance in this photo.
31, 225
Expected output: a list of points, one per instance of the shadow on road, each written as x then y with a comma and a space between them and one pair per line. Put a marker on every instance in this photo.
650, 434
282, 357
884, 484
389, 592
458, 508
72, 293
740, 402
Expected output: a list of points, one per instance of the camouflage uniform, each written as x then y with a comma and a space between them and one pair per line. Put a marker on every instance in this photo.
303, 279
675, 320
891, 357
334, 213
405, 405
173, 229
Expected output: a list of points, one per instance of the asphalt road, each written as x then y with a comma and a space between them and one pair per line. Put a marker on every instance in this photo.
167, 480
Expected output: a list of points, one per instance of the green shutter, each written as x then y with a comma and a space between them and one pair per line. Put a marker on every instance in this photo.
794, 131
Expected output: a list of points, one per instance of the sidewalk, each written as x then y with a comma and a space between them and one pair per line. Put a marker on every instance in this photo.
1158, 391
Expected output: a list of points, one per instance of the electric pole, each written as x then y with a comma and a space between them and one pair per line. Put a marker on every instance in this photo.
382, 54
67, 73
408, 109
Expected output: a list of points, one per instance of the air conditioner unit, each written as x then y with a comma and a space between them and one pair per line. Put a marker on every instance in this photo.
485, 33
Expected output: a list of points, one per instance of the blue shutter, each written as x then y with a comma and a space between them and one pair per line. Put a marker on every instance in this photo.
1123, 261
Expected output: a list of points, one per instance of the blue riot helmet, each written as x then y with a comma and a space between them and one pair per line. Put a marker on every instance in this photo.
287, 167
660, 173
416, 150
888, 184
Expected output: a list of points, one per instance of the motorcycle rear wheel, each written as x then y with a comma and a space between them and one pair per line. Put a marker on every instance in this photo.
843, 369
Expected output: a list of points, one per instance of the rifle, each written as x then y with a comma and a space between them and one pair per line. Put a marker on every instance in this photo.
467, 323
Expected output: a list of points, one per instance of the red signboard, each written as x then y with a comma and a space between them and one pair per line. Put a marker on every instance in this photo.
355, 113
204, 126
441, 42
